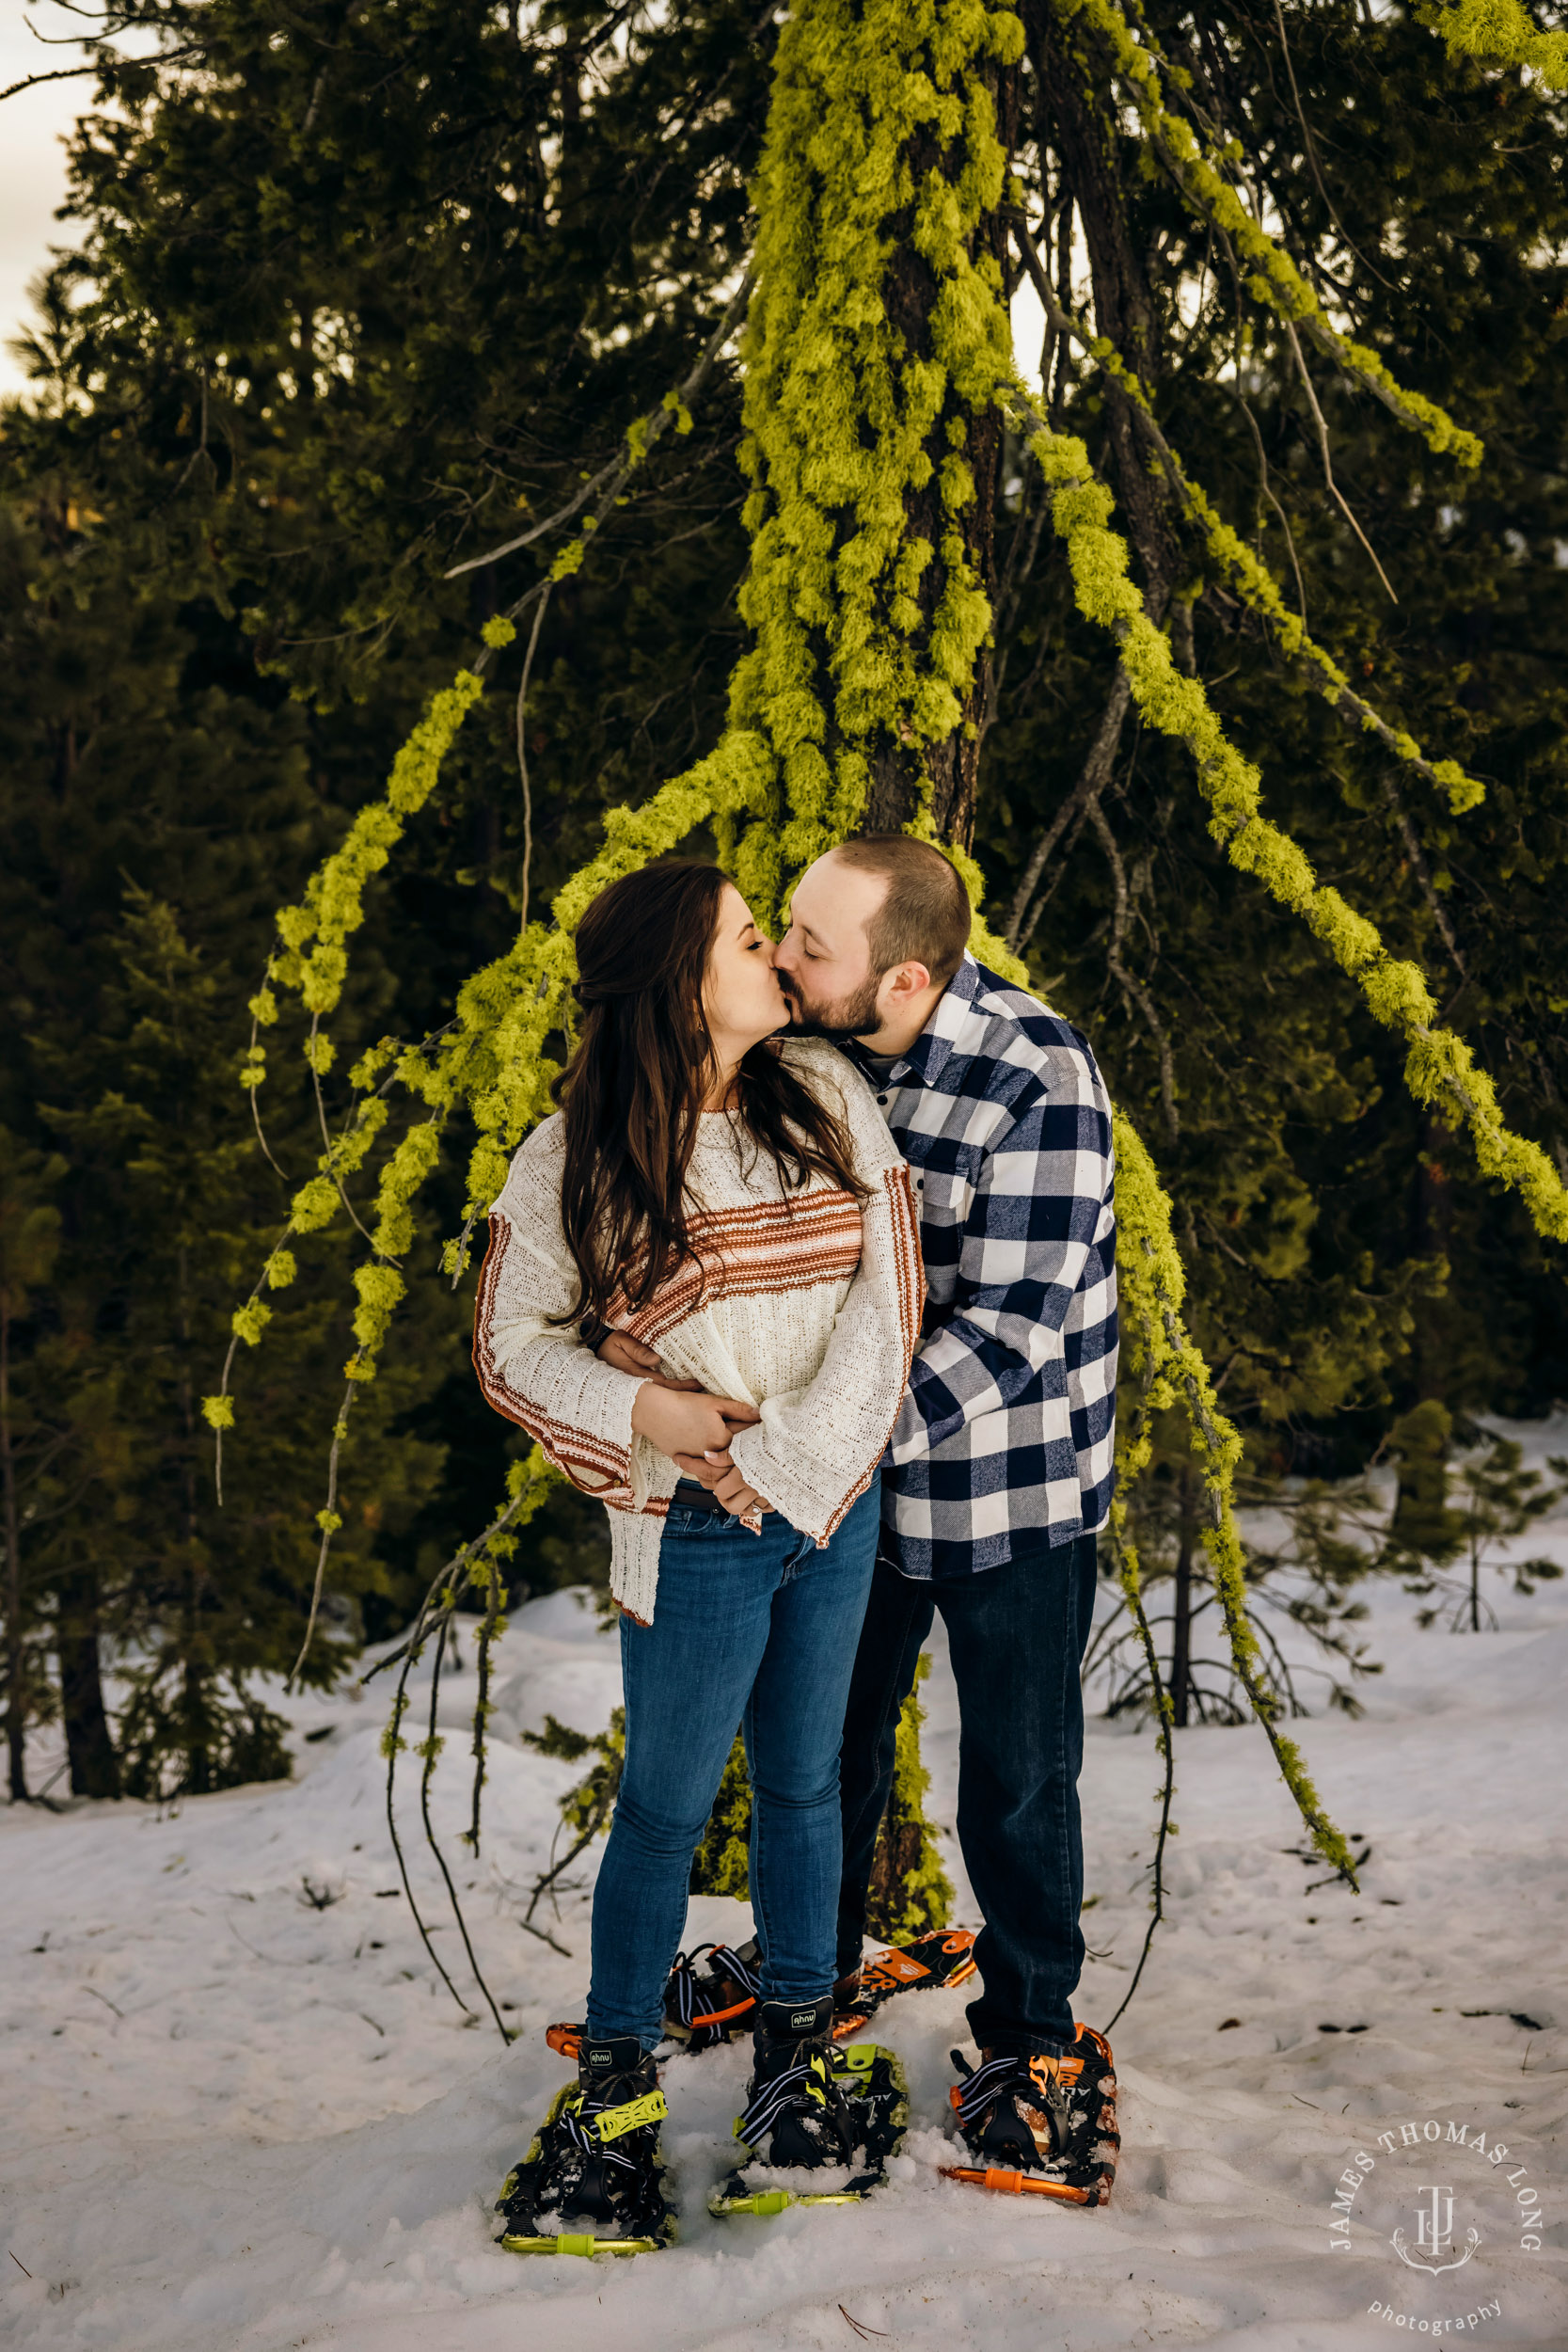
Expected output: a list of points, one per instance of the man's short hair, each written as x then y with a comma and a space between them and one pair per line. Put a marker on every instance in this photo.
924, 917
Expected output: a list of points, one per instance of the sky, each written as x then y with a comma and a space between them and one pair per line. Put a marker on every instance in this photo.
32, 162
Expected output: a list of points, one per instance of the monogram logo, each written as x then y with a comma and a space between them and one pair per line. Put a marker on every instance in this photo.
1433, 2233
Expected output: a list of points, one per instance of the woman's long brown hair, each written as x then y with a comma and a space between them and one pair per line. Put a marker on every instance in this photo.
632, 1093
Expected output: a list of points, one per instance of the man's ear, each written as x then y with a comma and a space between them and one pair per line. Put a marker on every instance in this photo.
901, 982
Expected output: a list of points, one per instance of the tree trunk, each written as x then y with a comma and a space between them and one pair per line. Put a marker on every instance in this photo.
16, 1705
900, 772
89, 1741
198, 1758
1181, 1629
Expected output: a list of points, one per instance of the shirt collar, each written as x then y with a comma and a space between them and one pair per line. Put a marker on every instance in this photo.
927, 1056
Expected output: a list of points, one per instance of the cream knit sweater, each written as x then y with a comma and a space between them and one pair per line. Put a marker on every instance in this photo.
803, 1304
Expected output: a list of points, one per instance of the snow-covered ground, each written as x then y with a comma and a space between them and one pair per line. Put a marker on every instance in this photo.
235, 2120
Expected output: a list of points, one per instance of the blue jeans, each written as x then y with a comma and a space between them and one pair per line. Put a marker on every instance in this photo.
755, 1630
1016, 1636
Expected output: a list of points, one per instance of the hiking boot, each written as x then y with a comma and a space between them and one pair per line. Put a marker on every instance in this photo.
795, 2115
592, 2181
1045, 2127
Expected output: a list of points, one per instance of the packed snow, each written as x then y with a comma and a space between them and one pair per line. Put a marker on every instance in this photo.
241, 2110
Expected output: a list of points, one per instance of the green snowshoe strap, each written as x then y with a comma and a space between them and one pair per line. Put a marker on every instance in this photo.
612, 2121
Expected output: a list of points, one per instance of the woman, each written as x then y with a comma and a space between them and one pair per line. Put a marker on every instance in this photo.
739, 1205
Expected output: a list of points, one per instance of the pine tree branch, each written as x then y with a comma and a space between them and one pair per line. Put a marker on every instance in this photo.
612, 476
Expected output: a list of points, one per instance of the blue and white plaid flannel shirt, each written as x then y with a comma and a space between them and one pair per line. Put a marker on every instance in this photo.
1008, 1425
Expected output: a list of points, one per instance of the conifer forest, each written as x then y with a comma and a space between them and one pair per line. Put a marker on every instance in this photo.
465, 450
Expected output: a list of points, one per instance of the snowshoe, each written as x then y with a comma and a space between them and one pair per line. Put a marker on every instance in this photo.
820, 2120
1040, 2126
706, 2007
944, 1957
592, 2182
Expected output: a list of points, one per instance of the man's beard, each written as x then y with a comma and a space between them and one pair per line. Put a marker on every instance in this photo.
852, 1016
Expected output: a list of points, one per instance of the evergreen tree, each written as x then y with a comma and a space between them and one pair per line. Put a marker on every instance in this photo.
1495, 1499
176, 1206
351, 291
29, 1240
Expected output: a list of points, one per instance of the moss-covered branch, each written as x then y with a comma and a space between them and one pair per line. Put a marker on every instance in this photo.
1273, 280
1151, 1284
1501, 33
1440, 1070
1252, 580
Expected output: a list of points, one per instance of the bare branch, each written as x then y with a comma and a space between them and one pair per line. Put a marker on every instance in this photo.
328, 1522
522, 753
1085, 792
1132, 989
1335, 491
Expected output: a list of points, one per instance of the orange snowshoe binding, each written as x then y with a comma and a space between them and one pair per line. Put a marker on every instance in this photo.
1040, 2126
706, 2006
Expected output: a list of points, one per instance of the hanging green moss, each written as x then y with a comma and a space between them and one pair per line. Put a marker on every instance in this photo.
1440, 1070
1200, 171
722, 1863
909, 1892
1501, 33
1151, 1286
1257, 586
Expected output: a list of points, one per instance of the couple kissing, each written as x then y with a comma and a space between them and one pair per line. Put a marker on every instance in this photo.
811, 1279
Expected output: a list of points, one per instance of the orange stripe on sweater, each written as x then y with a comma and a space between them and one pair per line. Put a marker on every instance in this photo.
592, 1464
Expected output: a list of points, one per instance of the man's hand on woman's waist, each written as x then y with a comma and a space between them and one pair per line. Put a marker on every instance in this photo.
709, 1464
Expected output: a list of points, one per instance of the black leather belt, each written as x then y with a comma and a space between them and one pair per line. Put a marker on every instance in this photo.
691, 1495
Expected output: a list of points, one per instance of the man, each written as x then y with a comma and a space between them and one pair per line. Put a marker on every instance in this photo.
998, 1473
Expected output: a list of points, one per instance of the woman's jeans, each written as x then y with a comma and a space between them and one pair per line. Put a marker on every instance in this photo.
758, 1630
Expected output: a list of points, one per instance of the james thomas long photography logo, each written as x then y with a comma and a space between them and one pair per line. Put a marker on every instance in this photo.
1436, 2194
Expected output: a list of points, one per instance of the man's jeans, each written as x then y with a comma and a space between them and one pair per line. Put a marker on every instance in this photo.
1015, 1635
758, 1630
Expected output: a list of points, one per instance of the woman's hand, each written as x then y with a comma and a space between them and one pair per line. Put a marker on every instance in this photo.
676, 1421
719, 1474
733, 1493
625, 1354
